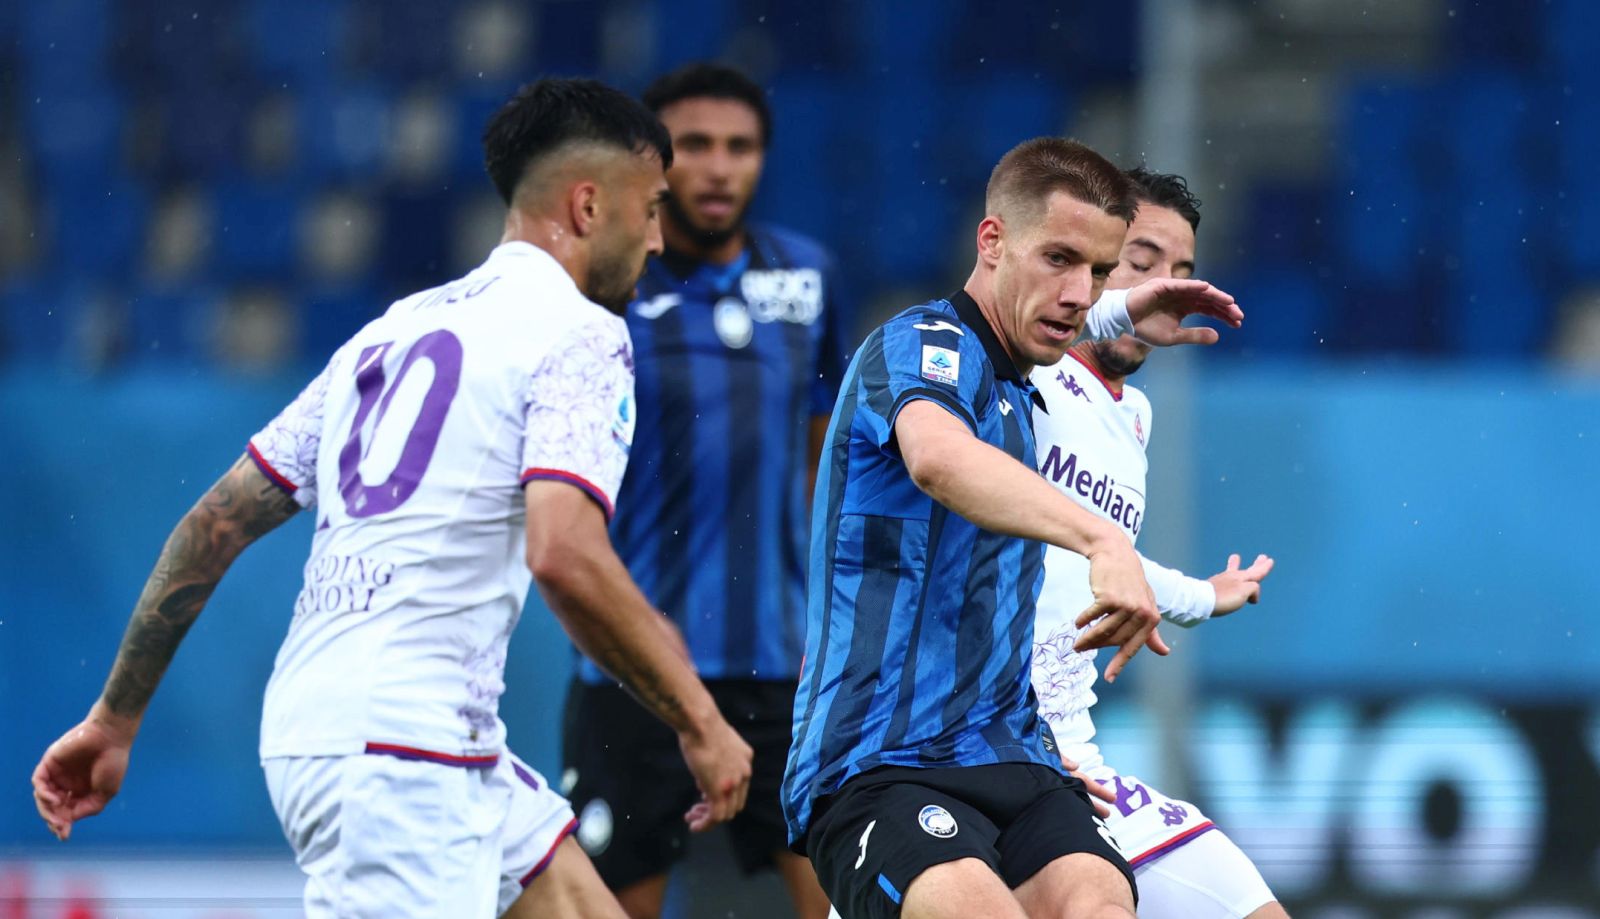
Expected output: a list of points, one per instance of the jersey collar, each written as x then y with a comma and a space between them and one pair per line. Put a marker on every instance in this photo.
1116, 394
1004, 367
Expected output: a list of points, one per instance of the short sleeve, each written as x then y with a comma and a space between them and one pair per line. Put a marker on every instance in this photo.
833, 348
919, 356
286, 449
580, 412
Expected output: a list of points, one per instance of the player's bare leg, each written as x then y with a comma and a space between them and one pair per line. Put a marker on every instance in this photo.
1081, 886
568, 888
960, 889
643, 899
1273, 910
801, 880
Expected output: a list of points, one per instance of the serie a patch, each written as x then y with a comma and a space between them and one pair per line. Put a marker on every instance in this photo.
941, 365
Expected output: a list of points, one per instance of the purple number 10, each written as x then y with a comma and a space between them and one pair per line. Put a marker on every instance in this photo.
444, 351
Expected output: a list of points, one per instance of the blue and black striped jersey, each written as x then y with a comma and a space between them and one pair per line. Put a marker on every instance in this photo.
733, 361
920, 624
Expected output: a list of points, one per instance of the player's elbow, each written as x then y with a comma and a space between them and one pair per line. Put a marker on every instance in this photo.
928, 469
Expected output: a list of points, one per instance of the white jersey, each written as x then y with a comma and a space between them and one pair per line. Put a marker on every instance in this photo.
1091, 447
413, 445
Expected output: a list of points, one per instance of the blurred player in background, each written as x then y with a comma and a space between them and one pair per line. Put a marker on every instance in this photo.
738, 335
473, 433
1091, 446
922, 779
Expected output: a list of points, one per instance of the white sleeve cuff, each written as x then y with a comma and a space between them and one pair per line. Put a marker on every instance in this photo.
1108, 318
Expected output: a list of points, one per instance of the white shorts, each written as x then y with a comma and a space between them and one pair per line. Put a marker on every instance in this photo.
378, 835
1185, 867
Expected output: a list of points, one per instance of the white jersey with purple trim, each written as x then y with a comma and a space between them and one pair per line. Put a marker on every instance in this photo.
1091, 448
412, 446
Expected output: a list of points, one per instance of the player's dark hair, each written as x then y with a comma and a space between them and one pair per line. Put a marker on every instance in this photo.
1030, 171
704, 80
1166, 190
551, 113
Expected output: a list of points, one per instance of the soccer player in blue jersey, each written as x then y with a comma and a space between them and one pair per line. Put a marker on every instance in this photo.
739, 343
922, 780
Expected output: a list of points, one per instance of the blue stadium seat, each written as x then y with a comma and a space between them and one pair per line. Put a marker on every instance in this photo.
297, 42
1495, 303
345, 132
1492, 33
74, 136
205, 129
568, 35
39, 318
405, 41
1570, 30
255, 229
1488, 122
998, 111
1288, 312
795, 185
333, 313
1378, 197
169, 324
1281, 225
98, 229
63, 44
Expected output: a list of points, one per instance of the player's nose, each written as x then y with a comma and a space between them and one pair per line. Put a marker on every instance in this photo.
1077, 289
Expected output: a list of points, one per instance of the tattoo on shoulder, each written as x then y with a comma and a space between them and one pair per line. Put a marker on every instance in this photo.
240, 508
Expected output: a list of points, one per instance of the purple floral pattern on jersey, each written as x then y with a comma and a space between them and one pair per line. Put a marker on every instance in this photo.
580, 411
288, 444
1063, 678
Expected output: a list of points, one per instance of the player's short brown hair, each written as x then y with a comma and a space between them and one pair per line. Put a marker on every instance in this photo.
1025, 177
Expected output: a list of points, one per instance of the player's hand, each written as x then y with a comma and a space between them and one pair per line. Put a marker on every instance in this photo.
1123, 605
1096, 790
80, 773
1235, 586
1159, 306
719, 760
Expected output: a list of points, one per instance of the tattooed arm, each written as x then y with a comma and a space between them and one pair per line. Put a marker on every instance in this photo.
591, 592
81, 772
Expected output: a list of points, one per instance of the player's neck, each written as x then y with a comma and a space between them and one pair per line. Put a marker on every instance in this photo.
1084, 351
980, 288
549, 235
720, 250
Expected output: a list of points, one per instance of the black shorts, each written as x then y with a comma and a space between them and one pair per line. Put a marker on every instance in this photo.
630, 788
872, 838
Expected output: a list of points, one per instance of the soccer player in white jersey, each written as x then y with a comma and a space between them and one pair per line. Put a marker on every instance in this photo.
1091, 446
473, 434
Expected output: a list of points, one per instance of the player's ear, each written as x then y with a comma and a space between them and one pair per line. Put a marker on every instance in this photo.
991, 239
583, 204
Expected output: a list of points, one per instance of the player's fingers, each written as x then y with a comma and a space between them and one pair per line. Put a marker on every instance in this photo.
698, 816
1096, 610
1254, 595
1101, 635
1261, 567
1124, 654
1095, 788
1158, 644
1199, 335
1233, 562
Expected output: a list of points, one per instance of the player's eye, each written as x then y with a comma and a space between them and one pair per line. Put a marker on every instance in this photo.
1056, 258
1139, 268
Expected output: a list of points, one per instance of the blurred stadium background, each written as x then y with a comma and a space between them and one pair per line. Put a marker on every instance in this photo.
199, 199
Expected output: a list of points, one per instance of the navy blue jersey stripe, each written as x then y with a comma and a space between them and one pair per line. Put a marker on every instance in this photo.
746, 435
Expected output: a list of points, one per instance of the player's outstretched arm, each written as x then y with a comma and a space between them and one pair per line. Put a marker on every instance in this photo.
994, 491
81, 772
608, 618
1158, 307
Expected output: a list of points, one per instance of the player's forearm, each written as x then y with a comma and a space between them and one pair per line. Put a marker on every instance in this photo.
612, 623
994, 491
1182, 600
241, 507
